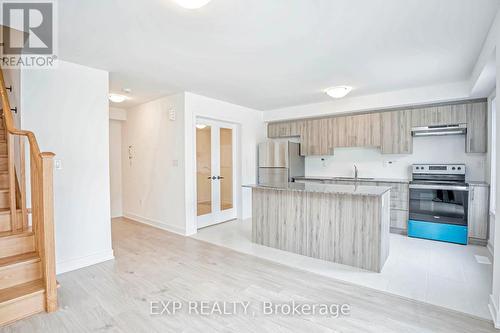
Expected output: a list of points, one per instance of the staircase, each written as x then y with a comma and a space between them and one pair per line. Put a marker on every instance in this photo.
27, 261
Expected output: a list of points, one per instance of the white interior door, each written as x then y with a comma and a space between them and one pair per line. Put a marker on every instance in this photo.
215, 174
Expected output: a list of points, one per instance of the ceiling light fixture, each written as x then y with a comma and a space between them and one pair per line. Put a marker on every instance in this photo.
201, 126
117, 98
338, 92
192, 4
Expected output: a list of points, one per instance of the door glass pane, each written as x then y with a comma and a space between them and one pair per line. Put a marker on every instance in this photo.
226, 168
204, 169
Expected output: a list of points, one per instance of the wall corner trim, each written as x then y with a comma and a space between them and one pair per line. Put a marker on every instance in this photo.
495, 312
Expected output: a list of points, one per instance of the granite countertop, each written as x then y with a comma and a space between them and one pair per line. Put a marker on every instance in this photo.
361, 179
326, 188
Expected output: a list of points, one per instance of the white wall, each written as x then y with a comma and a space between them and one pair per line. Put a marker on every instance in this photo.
67, 108
491, 242
115, 167
153, 180
371, 163
251, 129
117, 113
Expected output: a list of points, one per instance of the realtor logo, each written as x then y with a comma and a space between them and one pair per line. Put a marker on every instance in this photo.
29, 40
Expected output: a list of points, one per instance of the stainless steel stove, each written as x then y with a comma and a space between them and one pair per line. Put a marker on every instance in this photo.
438, 202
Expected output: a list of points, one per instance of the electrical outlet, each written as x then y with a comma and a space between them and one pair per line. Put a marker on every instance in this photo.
388, 163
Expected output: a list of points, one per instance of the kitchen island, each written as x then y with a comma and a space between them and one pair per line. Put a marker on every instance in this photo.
345, 224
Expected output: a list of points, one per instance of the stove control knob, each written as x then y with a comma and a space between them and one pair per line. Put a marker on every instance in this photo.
454, 168
459, 168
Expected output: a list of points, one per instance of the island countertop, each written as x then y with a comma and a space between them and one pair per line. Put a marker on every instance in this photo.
349, 179
361, 190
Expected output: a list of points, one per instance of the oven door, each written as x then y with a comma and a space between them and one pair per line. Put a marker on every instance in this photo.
445, 204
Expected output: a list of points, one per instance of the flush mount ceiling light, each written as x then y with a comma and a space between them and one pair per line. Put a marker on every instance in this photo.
201, 126
117, 98
192, 4
338, 92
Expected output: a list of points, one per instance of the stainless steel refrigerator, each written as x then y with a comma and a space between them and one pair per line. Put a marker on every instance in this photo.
279, 162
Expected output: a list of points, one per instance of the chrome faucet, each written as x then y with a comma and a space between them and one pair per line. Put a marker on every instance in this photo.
355, 173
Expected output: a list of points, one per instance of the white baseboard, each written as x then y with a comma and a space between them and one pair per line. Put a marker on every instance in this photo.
85, 261
156, 224
494, 310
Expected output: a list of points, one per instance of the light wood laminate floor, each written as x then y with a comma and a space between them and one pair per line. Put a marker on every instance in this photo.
153, 265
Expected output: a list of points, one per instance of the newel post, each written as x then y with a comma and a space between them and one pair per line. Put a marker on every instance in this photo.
47, 230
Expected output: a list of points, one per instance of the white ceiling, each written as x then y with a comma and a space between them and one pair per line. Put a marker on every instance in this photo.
267, 54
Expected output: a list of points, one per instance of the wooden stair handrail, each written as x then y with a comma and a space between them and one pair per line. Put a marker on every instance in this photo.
42, 197
9, 119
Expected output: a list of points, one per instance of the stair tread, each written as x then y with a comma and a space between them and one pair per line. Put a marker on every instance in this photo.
21, 290
7, 210
22, 233
30, 256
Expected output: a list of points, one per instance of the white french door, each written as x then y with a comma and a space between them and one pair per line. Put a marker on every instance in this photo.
215, 163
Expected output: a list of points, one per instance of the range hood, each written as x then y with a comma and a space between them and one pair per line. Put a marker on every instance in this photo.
456, 129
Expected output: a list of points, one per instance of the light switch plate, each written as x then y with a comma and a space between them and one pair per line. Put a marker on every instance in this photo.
171, 115
58, 164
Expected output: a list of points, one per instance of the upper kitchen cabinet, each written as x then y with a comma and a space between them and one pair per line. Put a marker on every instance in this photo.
354, 131
439, 115
285, 129
396, 132
314, 137
365, 130
389, 130
278, 130
476, 140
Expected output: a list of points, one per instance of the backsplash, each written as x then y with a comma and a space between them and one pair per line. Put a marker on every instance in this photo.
371, 163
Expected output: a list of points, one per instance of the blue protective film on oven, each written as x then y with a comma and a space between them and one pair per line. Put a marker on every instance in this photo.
438, 231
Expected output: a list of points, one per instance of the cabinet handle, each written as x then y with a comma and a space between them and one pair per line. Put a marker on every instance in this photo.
472, 194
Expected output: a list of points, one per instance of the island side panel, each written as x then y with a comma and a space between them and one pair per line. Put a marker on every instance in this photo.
385, 226
278, 219
345, 229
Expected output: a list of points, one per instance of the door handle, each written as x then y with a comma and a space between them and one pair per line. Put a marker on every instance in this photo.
213, 178
219, 177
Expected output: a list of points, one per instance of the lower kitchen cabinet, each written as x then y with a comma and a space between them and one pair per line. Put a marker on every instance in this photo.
478, 211
399, 221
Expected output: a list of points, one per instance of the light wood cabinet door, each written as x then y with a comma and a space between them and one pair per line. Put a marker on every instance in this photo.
314, 138
478, 211
396, 132
439, 115
354, 131
296, 127
338, 132
368, 133
476, 140
273, 154
278, 130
